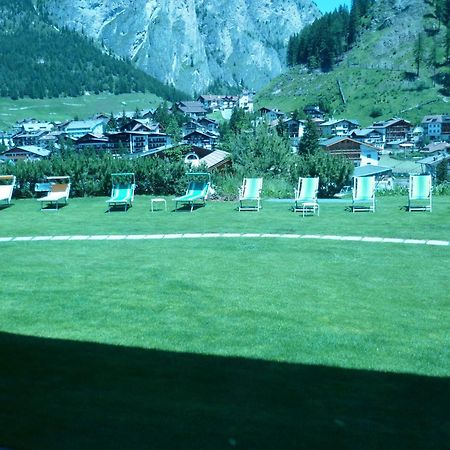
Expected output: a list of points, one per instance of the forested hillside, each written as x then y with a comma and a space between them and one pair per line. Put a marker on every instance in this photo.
40, 60
326, 39
397, 65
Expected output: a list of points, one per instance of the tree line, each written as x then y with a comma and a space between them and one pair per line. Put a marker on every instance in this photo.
321, 43
255, 148
41, 61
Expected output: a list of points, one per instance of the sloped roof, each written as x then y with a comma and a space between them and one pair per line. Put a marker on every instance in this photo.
39, 151
215, 158
369, 170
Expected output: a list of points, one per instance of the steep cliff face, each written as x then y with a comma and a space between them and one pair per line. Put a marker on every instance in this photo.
193, 43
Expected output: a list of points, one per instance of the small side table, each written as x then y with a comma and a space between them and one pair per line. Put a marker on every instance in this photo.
154, 201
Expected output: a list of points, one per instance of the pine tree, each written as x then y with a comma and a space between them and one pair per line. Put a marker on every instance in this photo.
309, 143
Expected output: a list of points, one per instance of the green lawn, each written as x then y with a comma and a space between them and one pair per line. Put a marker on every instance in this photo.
58, 109
224, 343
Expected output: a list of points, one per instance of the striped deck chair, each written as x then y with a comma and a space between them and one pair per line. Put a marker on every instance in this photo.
250, 194
363, 194
122, 194
59, 193
196, 194
419, 197
305, 196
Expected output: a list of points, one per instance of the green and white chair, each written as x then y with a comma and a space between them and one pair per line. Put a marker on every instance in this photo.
7, 184
59, 193
363, 194
419, 196
122, 191
250, 194
305, 196
196, 194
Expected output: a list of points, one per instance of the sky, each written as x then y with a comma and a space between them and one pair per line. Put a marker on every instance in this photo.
331, 5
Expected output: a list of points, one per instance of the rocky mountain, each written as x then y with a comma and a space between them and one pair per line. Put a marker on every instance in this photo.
193, 44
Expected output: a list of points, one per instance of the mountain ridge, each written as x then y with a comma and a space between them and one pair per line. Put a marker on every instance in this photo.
193, 44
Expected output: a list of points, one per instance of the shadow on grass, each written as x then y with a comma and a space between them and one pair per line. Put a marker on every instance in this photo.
59, 394
118, 208
53, 207
6, 206
187, 208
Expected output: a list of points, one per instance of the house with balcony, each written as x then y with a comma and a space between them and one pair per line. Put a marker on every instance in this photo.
368, 136
338, 127
270, 115
394, 130
192, 109
437, 127
359, 153
200, 139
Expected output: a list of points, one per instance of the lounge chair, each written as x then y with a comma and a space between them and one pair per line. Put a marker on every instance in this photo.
122, 191
7, 188
420, 188
250, 192
363, 194
305, 196
196, 193
59, 192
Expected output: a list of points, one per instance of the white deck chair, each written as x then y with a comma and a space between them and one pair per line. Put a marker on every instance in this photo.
6, 190
250, 194
363, 194
305, 196
420, 189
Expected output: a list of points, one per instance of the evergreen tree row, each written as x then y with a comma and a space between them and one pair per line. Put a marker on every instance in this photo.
40, 61
320, 44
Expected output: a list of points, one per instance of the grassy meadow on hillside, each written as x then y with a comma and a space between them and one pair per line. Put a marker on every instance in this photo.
67, 108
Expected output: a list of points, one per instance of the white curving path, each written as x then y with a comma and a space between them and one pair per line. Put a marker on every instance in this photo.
135, 237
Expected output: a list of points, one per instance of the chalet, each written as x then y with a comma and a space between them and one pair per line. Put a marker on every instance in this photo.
437, 127
245, 102
270, 115
130, 141
190, 109
148, 113
28, 138
358, 152
142, 141
314, 112
51, 140
430, 163
142, 125
78, 128
200, 139
25, 153
368, 136
294, 128
209, 125
337, 127
394, 130
211, 102
93, 141
230, 101
435, 148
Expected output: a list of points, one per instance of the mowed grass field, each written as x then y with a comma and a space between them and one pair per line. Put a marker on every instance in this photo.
224, 342
59, 109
